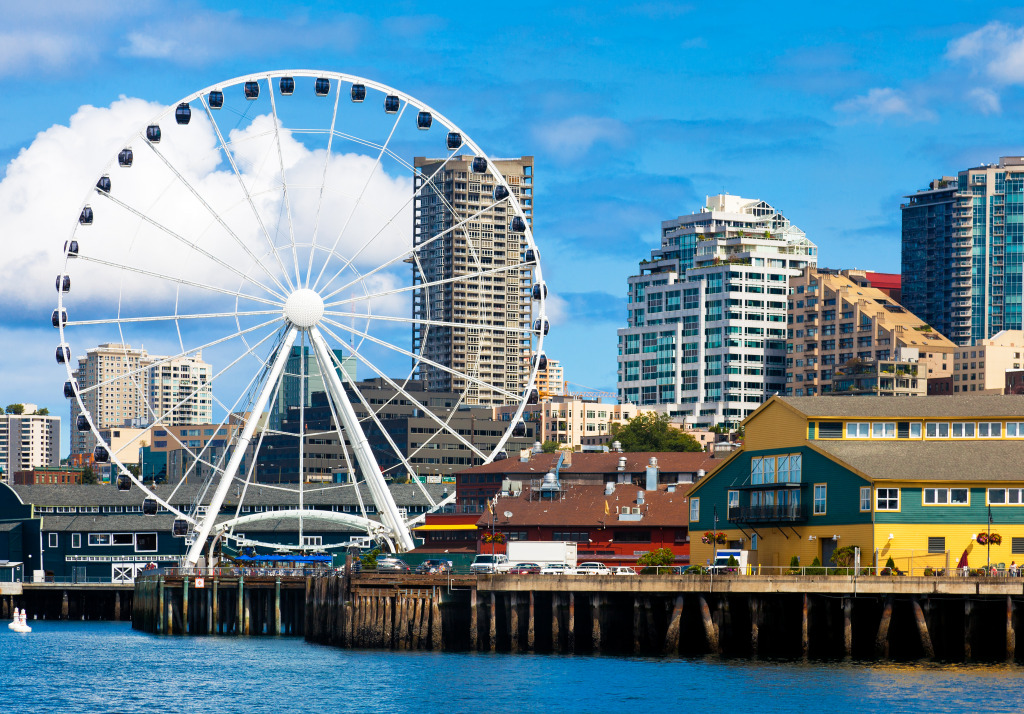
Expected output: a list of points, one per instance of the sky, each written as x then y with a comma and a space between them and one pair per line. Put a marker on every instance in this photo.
633, 112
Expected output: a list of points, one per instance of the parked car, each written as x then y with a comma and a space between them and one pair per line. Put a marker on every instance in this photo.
525, 569
493, 563
434, 566
592, 568
392, 564
557, 569
622, 570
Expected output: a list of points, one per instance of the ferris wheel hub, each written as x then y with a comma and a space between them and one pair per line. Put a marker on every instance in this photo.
304, 308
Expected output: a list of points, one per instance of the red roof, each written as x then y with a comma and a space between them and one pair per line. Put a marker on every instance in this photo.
884, 281
584, 506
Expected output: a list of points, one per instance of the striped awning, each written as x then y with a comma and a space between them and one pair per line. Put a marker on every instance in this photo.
450, 527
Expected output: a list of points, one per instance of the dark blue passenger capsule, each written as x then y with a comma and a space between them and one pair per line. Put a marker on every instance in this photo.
69, 390
82, 423
149, 507
322, 86
542, 361
63, 357
532, 397
59, 317
532, 256
85, 217
71, 248
500, 193
100, 455
479, 165
541, 326
424, 120
519, 430
125, 158
358, 92
454, 140
287, 86
63, 283
391, 103
183, 114
518, 224
540, 290
179, 529
215, 99
124, 483
103, 184
153, 134
252, 90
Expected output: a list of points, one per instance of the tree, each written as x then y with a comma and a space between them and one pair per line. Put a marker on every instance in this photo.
89, 476
661, 556
549, 447
651, 432
15, 409
369, 560
43, 412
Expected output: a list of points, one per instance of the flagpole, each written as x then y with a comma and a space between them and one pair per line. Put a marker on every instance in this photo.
988, 541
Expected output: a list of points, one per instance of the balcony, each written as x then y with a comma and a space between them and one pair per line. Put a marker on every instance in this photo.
768, 514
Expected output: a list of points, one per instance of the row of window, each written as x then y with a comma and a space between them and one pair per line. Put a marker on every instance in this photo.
914, 430
142, 542
776, 469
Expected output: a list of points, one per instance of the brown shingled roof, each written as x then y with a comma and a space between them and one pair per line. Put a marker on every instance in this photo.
590, 463
584, 506
932, 407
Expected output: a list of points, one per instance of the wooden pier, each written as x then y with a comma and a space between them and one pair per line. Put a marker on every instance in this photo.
827, 617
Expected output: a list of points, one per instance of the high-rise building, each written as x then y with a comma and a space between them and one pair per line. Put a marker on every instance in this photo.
291, 384
28, 440
838, 320
962, 243
449, 191
982, 367
124, 386
706, 338
551, 380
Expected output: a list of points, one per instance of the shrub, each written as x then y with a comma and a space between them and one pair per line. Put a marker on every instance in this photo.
815, 568
794, 565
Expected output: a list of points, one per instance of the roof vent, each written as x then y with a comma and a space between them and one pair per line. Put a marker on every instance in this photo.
609, 488
617, 446
639, 498
653, 461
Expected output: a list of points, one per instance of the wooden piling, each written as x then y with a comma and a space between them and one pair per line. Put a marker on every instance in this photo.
216, 606
570, 632
239, 628
922, 629
710, 634
64, 604
672, 634
160, 629
184, 606
649, 633
1011, 635
417, 620
513, 619
882, 637
474, 626
530, 627
555, 634
247, 612
389, 641
117, 607
425, 623
435, 623
595, 611
277, 606
493, 627
755, 626
968, 630
636, 624
804, 626
847, 627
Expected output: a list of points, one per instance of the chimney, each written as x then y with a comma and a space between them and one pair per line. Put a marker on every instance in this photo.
639, 498
652, 474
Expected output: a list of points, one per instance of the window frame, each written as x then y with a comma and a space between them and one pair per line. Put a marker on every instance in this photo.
865, 497
824, 499
938, 427
52, 541
879, 497
1006, 495
858, 424
694, 509
885, 432
94, 539
948, 491
76, 540
964, 427
988, 425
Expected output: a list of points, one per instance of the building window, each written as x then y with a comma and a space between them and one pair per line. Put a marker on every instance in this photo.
1017, 546
865, 498
145, 542
990, 429
887, 499
858, 430
694, 509
1005, 496
963, 429
946, 496
820, 491
734, 499
632, 536
53, 540
915, 430
810, 430
883, 430
753, 541
1015, 429
76, 540
936, 544
312, 540
830, 430
937, 430
123, 539
99, 539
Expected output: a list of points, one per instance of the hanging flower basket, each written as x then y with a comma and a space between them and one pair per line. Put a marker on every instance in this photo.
995, 538
713, 537
982, 538
496, 538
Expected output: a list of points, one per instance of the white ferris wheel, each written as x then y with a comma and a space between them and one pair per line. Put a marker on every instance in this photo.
272, 216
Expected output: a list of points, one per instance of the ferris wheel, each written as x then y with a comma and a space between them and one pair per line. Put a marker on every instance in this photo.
276, 228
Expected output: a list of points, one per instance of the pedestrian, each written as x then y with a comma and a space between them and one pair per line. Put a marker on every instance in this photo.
1013, 569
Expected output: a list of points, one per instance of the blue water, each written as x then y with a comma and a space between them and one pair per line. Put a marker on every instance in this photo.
108, 667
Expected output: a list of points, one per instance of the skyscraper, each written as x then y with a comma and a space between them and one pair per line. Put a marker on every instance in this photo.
124, 386
963, 239
450, 192
28, 440
291, 384
706, 337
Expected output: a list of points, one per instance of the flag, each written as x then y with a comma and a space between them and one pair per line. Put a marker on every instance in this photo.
489, 509
606, 509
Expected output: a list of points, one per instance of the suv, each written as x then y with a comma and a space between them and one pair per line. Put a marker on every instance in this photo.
558, 569
496, 563
389, 563
592, 568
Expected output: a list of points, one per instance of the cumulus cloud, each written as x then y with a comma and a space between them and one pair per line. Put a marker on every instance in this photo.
995, 51
573, 137
986, 100
881, 103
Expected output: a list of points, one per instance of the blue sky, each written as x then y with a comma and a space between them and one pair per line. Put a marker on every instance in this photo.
633, 112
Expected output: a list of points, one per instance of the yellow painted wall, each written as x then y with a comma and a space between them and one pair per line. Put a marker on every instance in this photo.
775, 426
910, 543
776, 549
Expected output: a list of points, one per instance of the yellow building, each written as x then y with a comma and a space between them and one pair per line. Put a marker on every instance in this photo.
910, 479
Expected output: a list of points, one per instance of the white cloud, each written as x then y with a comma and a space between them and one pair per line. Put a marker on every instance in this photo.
883, 102
571, 138
995, 51
986, 100
557, 310
48, 50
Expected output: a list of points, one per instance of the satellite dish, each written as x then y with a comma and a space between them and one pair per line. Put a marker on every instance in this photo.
508, 514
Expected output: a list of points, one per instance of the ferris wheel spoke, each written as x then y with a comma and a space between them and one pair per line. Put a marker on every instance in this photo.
252, 205
178, 281
436, 323
191, 244
164, 360
252, 466
420, 286
284, 183
359, 198
166, 318
323, 184
405, 254
396, 450
424, 360
415, 402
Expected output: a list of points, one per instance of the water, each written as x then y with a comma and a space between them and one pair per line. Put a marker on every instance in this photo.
108, 667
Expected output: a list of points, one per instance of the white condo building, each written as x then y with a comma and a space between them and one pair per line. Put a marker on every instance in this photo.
124, 386
28, 440
706, 334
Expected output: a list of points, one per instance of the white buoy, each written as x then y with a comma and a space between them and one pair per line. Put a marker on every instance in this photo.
19, 624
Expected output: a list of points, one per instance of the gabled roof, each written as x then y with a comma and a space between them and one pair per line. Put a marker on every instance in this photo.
936, 407
979, 460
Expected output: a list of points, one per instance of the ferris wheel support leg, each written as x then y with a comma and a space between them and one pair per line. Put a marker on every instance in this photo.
238, 453
361, 446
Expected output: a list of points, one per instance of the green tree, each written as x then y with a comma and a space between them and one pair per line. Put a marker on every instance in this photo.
661, 556
15, 409
549, 447
369, 560
651, 432
43, 412
89, 476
